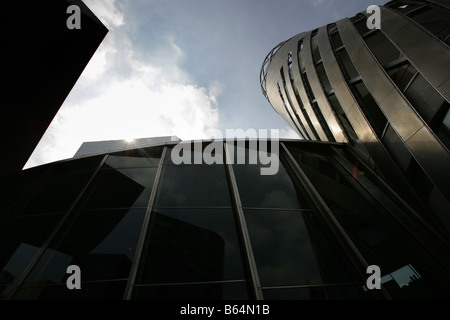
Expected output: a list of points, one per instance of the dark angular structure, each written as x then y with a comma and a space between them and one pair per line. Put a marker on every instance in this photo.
41, 61
384, 91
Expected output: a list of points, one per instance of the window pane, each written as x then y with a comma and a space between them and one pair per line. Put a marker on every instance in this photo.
203, 291
119, 188
266, 191
336, 40
20, 240
382, 48
349, 69
370, 108
323, 77
435, 20
443, 128
402, 75
282, 247
397, 148
191, 245
68, 176
193, 186
101, 243
424, 98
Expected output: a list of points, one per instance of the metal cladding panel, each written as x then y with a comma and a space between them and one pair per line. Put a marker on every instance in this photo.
272, 78
379, 84
427, 53
427, 150
304, 54
322, 100
403, 111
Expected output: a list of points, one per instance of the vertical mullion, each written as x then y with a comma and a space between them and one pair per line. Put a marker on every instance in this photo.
331, 220
144, 229
44, 246
243, 231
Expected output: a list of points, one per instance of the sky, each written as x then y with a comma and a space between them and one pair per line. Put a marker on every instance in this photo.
181, 67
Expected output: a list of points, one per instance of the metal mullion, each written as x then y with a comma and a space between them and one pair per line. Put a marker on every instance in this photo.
354, 254
18, 283
144, 229
410, 81
250, 259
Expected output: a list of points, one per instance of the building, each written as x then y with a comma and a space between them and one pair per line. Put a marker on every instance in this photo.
384, 91
167, 219
91, 148
41, 61
140, 226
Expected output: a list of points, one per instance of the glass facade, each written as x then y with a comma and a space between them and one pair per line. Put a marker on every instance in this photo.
140, 226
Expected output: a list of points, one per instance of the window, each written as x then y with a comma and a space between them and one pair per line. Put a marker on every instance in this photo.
193, 186
191, 245
370, 108
434, 19
382, 48
102, 243
402, 74
424, 98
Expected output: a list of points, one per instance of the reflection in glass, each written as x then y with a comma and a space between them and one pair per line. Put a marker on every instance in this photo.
193, 186
191, 245
282, 248
101, 243
268, 191
119, 188
68, 177
20, 240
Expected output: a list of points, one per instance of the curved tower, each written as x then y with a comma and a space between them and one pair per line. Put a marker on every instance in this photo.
385, 91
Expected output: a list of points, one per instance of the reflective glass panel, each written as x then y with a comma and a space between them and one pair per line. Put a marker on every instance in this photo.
20, 240
191, 245
193, 186
46, 196
266, 191
101, 243
119, 188
282, 247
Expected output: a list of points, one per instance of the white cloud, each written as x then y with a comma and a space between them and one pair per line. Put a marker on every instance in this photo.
121, 96
107, 12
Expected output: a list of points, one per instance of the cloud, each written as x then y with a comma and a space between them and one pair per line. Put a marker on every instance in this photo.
107, 12
122, 94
